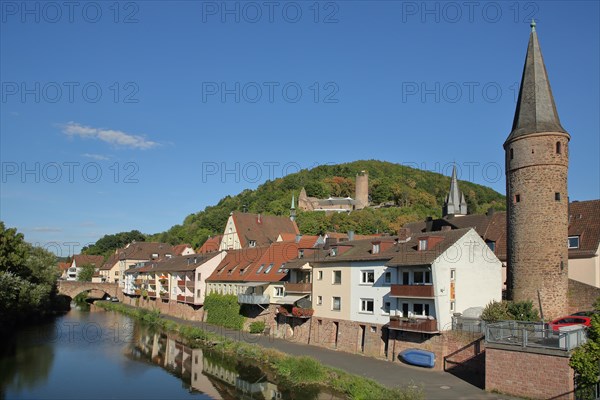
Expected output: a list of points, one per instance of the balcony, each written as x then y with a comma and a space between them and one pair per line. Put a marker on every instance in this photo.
298, 287
413, 325
419, 291
180, 298
180, 283
151, 294
164, 296
253, 299
189, 299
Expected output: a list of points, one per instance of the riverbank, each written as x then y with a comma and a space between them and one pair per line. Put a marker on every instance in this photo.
293, 370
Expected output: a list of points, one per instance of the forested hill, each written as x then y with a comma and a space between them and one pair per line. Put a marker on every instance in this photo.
417, 194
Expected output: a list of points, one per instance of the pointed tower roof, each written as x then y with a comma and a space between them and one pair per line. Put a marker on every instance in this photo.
536, 111
455, 201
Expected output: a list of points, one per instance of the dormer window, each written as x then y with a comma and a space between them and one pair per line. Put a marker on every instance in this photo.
422, 244
260, 268
375, 249
281, 268
154, 256
491, 245
573, 242
333, 252
301, 253
252, 243
269, 268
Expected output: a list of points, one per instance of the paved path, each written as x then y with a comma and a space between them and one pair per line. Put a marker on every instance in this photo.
436, 385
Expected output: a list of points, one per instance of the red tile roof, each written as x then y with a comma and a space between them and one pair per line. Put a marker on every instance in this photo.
63, 266
259, 264
212, 244
144, 251
180, 248
584, 221
263, 229
82, 259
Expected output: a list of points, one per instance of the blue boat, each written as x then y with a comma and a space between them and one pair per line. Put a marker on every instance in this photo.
421, 358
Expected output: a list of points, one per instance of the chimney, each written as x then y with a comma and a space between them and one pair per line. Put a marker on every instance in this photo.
428, 224
403, 234
350, 235
258, 219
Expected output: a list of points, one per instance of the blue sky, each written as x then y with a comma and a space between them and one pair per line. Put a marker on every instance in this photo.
132, 115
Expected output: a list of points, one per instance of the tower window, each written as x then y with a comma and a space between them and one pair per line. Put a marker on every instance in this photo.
557, 196
517, 198
512, 154
558, 147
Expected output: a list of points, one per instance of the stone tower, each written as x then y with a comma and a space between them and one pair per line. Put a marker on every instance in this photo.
362, 191
537, 161
455, 203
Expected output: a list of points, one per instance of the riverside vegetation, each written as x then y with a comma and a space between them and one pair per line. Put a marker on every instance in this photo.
294, 371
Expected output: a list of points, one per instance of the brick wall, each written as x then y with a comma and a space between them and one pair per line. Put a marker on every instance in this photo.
582, 296
524, 374
172, 308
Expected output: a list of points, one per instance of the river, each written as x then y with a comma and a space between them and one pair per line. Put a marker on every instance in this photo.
106, 355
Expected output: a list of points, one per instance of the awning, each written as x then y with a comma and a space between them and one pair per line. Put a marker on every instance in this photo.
253, 284
289, 299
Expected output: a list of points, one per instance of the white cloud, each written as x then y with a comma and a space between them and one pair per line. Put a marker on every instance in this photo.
114, 137
98, 157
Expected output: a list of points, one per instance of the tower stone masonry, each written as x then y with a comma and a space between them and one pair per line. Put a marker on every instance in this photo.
537, 162
362, 190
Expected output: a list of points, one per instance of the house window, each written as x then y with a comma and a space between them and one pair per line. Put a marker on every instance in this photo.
116, 273
260, 268
557, 196
319, 300
198, 292
517, 198
421, 309
387, 277
421, 277
558, 147
452, 274
269, 268
301, 253
336, 303
422, 244
252, 243
337, 277
281, 269
366, 305
333, 252
367, 277
373, 329
278, 291
198, 277
154, 256
386, 307
452, 306
319, 275
491, 245
573, 242
375, 248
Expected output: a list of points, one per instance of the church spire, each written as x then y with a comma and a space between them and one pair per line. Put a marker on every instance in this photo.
536, 111
455, 203
293, 209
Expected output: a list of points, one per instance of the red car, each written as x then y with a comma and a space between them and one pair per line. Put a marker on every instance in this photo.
569, 320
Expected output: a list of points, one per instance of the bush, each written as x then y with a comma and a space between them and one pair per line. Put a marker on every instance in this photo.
510, 310
257, 327
300, 370
223, 310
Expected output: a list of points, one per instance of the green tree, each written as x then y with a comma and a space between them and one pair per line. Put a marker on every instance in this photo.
85, 273
586, 358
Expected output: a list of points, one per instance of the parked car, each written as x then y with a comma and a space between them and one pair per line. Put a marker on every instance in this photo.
584, 313
568, 321
114, 300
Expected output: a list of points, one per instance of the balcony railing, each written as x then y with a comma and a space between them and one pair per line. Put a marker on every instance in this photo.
189, 299
180, 283
151, 294
180, 298
298, 287
412, 291
413, 325
253, 299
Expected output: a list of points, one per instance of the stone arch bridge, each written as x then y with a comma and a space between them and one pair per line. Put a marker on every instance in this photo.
73, 288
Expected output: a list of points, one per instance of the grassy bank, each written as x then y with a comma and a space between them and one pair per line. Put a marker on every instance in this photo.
294, 371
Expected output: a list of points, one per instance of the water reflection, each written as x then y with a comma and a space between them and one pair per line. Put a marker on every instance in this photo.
212, 373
